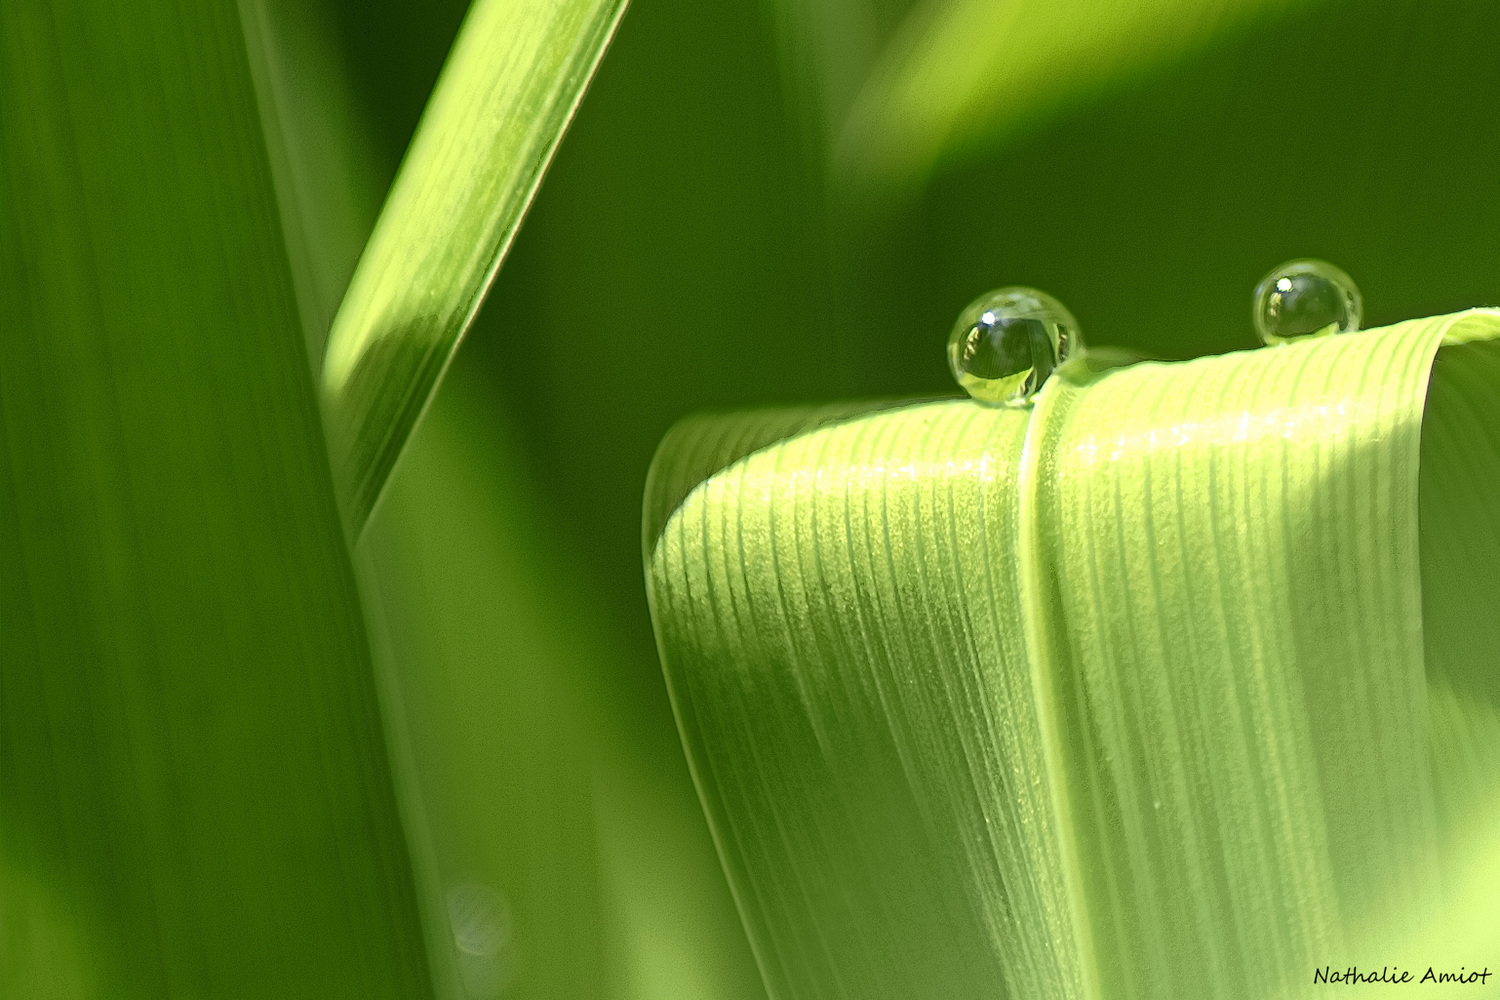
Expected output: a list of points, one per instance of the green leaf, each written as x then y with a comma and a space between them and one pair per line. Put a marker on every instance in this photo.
530, 773
1173, 685
324, 158
196, 794
967, 73
511, 83
485, 703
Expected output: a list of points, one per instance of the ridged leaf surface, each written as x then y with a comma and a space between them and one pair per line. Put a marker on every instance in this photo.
1180, 683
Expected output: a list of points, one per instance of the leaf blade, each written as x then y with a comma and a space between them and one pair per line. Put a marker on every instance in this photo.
195, 790
1194, 527
474, 164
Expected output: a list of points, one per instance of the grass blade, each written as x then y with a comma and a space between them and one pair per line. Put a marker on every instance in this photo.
512, 81
196, 794
1162, 689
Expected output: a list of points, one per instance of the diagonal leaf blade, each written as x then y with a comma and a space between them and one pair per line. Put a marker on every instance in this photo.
511, 83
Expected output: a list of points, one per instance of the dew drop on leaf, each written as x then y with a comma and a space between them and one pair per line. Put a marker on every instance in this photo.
1306, 298
1007, 342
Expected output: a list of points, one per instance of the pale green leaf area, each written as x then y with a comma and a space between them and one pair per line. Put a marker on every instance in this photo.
1182, 682
196, 794
524, 776
963, 73
512, 81
483, 701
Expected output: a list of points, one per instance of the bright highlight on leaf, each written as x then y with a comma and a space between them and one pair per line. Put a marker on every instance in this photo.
512, 81
966, 73
1184, 683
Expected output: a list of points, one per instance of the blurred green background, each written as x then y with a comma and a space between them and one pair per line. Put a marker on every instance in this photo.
766, 201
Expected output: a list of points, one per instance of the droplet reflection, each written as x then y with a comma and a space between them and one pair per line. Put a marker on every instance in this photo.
1306, 298
1007, 342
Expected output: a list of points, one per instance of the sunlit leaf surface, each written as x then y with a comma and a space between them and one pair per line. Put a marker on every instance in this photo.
516, 73
1181, 683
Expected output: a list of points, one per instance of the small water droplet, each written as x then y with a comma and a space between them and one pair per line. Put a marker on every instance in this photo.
1306, 298
1007, 342
481, 923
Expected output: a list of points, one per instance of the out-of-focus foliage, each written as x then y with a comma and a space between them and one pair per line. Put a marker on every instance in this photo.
967, 74
508, 88
325, 157
553, 857
195, 797
531, 780
694, 245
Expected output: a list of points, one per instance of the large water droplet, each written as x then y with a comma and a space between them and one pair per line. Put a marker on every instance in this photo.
1006, 343
1306, 298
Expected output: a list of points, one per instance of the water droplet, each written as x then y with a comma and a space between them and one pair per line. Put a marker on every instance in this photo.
480, 919
1306, 298
1006, 343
